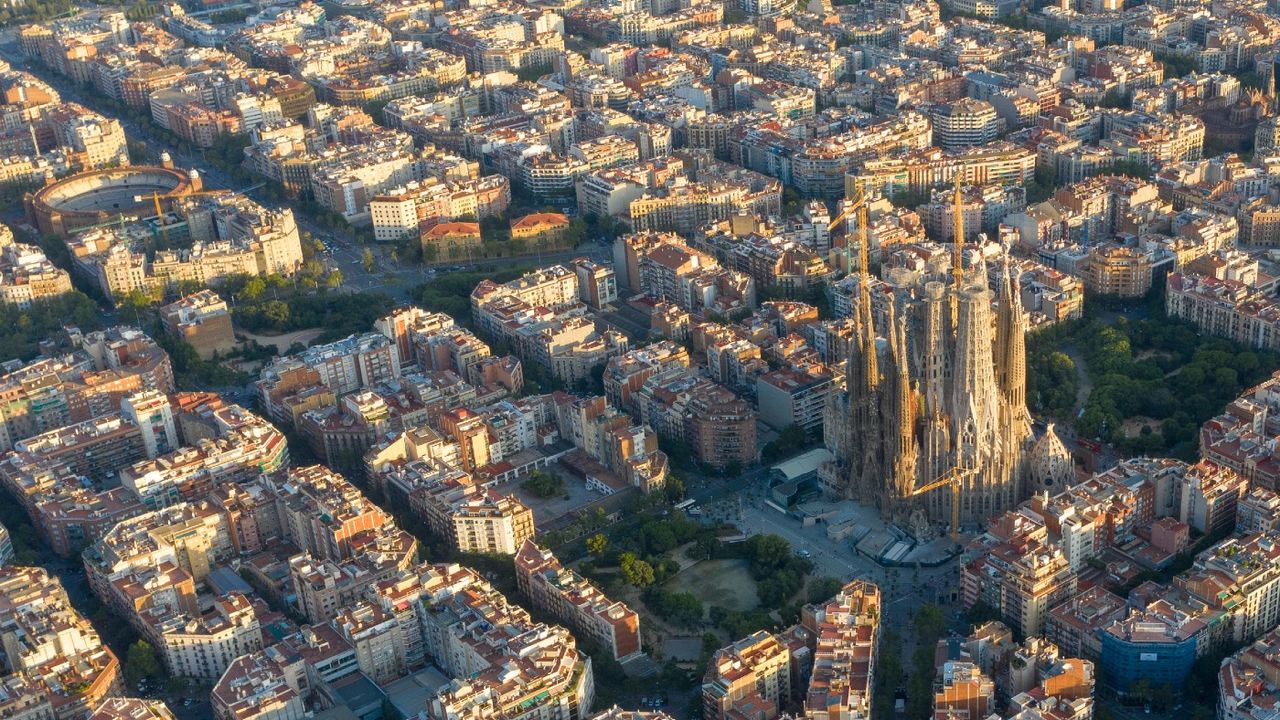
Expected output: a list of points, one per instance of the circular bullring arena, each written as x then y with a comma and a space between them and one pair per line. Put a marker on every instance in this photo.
99, 196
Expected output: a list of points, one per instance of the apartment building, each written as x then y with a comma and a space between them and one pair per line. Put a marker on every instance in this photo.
501, 661
1111, 269
846, 632
963, 690
1158, 642
96, 448
223, 444
57, 665
340, 434
1075, 626
982, 209
964, 123
1022, 579
323, 588
127, 708
665, 268
550, 286
266, 685
146, 566
1249, 680
407, 210
794, 396
683, 206
597, 283
89, 381
1209, 495
1258, 511
751, 677
719, 426
1224, 307
231, 236
26, 275
203, 321
470, 517
575, 601
203, 646
627, 373
354, 363
323, 514
1242, 577
918, 171
375, 636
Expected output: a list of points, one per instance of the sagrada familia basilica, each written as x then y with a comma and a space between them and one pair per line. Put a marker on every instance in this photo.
934, 409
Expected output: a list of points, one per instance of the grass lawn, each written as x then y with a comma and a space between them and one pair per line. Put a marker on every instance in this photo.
726, 583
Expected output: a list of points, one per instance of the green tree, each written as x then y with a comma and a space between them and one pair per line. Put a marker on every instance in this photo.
531, 73
141, 662
674, 489
598, 545
543, 484
678, 608
334, 280
253, 289
767, 553
789, 442
635, 571
277, 313
366, 258
930, 621
658, 538
823, 588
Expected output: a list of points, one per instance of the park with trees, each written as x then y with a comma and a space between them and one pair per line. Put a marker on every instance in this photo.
1143, 385
21, 335
682, 574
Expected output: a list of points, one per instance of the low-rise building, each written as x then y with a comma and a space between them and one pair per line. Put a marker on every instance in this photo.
541, 230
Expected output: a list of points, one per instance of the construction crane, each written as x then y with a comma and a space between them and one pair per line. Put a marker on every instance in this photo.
950, 478
164, 231
858, 206
858, 202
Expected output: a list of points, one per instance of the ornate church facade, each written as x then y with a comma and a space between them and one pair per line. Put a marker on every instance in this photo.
936, 388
